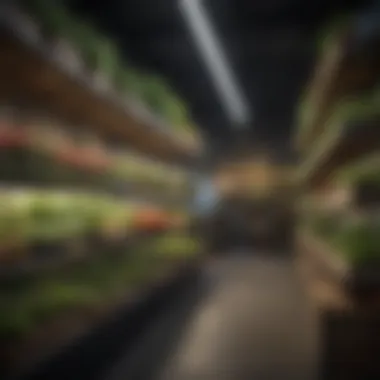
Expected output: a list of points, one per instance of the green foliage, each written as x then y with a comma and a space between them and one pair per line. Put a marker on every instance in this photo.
325, 225
355, 110
98, 52
45, 217
14, 225
129, 79
86, 40
328, 39
366, 170
175, 245
175, 111
87, 286
357, 239
53, 217
57, 297
109, 60
154, 93
360, 108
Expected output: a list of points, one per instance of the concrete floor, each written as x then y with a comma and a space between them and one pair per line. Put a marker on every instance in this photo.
246, 318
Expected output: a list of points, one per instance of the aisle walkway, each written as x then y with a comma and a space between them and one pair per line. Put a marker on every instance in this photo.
253, 323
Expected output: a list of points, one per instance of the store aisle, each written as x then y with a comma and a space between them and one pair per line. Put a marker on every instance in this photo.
250, 321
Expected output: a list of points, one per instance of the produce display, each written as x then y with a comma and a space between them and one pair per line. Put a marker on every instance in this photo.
328, 44
354, 233
33, 219
99, 55
40, 151
32, 303
29, 218
81, 228
350, 112
356, 109
333, 58
118, 251
69, 245
366, 170
357, 239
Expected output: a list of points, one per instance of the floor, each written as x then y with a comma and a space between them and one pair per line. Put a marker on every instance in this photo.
246, 318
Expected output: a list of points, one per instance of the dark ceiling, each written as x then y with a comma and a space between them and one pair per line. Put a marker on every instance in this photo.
270, 44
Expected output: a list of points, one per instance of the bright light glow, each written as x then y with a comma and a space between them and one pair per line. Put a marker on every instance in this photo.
212, 53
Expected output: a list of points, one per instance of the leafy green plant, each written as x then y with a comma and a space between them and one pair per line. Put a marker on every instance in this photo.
89, 285
154, 93
88, 42
129, 79
359, 241
99, 52
325, 225
176, 246
366, 170
355, 110
14, 226
59, 297
176, 113
15, 321
109, 61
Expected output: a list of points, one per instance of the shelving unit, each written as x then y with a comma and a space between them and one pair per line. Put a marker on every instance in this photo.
338, 246
346, 68
95, 188
36, 75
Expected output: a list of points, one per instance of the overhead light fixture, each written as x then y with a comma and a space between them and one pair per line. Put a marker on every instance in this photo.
215, 60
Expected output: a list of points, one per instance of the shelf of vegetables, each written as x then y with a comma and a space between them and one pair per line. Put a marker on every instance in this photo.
339, 261
346, 254
348, 65
64, 63
35, 314
352, 131
363, 178
69, 258
338, 245
38, 151
72, 249
346, 248
345, 241
42, 229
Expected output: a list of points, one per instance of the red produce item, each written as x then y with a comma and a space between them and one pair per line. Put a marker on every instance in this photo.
151, 220
12, 137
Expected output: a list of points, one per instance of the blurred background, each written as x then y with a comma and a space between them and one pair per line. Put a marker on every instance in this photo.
155, 156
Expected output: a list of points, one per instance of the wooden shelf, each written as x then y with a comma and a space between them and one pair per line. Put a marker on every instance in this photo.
344, 69
35, 75
348, 329
339, 147
340, 281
